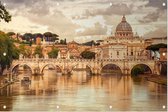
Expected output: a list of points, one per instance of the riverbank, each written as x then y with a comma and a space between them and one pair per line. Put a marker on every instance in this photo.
155, 78
1, 79
2, 84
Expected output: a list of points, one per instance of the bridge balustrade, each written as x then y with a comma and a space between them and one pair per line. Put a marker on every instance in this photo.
79, 60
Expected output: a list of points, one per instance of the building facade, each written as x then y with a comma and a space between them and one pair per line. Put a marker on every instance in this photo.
124, 44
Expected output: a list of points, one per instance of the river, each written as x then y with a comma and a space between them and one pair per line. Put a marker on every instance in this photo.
81, 92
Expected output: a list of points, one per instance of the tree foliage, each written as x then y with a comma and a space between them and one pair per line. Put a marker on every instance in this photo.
51, 36
53, 53
26, 52
63, 41
88, 55
38, 50
156, 47
9, 49
91, 43
27, 36
4, 14
10, 33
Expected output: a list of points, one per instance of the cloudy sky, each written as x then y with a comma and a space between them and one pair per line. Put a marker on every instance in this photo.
87, 18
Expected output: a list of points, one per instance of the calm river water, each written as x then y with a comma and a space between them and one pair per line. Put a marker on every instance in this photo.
80, 92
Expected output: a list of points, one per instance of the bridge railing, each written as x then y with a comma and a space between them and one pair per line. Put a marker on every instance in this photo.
77, 60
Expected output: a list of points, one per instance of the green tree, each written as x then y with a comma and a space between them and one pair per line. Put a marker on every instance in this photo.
10, 34
65, 41
156, 47
53, 53
8, 51
61, 41
38, 50
51, 36
90, 43
25, 51
35, 35
28, 37
47, 34
88, 55
4, 14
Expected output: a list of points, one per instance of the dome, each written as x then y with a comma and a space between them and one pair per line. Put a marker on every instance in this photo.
124, 29
123, 25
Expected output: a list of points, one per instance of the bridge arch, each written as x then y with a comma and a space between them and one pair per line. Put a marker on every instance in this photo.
12, 69
146, 67
85, 65
73, 66
54, 66
90, 68
112, 66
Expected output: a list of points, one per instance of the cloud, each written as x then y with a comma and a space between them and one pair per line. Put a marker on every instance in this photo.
40, 9
158, 12
151, 17
96, 30
70, 15
56, 22
43, 13
161, 31
157, 4
115, 9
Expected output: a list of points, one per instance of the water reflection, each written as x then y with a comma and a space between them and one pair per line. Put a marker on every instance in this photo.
81, 92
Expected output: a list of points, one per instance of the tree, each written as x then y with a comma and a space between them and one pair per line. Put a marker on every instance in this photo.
88, 55
65, 41
4, 14
51, 36
25, 51
37, 35
61, 41
8, 51
90, 43
10, 34
53, 53
47, 34
28, 37
38, 50
156, 47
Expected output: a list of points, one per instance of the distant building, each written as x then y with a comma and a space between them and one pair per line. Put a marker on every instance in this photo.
38, 41
163, 54
124, 45
73, 49
157, 40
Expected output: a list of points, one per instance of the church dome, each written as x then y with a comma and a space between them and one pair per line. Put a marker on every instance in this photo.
124, 28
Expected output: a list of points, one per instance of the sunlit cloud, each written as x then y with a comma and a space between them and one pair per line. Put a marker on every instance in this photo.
74, 18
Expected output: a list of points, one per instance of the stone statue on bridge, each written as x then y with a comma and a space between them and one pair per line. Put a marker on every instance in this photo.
59, 55
68, 55
21, 56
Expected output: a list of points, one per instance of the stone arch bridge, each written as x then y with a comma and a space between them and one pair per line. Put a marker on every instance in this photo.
95, 65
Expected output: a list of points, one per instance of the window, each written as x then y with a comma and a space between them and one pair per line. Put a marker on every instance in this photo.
117, 53
131, 51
